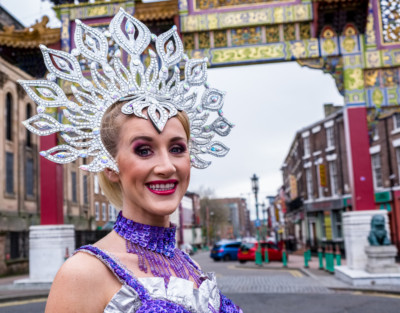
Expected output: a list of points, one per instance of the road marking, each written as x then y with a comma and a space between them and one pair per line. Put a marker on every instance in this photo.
376, 294
296, 273
22, 302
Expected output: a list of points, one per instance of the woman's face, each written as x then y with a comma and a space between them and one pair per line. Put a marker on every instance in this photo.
154, 169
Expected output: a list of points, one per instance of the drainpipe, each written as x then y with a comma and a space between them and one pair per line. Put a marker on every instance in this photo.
339, 144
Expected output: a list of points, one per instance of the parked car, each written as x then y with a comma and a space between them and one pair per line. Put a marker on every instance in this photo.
225, 250
247, 251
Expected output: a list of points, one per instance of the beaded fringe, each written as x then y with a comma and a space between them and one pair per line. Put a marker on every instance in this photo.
162, 266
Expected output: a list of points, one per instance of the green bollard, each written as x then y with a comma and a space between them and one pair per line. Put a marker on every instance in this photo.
338, 260
329, 261
332, 269
258, 258
309, 255
338, 257
284, 258
266, 258
320, 259
306, 259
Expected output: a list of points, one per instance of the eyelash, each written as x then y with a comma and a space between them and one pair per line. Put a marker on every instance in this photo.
181, 147
140, 149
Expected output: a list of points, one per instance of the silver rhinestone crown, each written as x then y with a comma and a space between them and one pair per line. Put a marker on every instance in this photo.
156, 87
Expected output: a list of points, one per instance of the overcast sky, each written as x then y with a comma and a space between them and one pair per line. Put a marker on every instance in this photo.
268, 103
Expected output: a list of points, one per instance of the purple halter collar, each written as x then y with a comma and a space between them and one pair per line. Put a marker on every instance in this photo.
153, 238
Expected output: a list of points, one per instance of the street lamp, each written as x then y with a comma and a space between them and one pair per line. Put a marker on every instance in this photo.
255, 187
264, 228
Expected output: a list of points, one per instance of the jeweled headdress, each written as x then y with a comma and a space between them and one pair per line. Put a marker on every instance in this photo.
156, 87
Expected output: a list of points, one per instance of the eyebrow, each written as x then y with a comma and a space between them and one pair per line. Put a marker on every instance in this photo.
178, 138
145, 138
150, 139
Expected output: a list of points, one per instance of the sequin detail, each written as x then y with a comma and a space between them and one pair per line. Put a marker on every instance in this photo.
147, 302
155, 248
227, 306
149, 81
123, 275
153, 238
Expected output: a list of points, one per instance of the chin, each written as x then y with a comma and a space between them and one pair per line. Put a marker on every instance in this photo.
166, 209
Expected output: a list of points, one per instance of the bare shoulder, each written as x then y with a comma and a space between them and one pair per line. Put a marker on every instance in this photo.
83, 284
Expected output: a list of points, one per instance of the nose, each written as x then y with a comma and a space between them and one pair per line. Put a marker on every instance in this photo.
165, 166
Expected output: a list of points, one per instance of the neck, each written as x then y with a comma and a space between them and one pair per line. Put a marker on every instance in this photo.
147, 219
154, 238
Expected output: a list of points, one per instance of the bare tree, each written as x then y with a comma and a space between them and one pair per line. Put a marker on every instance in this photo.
215, 217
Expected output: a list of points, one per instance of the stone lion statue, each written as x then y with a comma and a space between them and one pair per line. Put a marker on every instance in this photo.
378, 234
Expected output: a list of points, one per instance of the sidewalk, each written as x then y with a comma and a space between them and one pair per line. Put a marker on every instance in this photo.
12, 292
328, 280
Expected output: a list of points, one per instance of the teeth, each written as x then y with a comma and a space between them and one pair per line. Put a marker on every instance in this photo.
161, 187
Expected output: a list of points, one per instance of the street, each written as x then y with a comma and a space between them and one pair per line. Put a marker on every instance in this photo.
268, 290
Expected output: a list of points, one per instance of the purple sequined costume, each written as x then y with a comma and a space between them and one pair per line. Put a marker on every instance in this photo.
149, 294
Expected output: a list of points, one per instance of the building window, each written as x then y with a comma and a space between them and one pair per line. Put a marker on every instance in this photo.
396, 121
306, 142
333, 178
337, 219
9, 173
96, 184
73, 186
9, 112
309, 183
376, 170
104, 212
29, 177
97, 211
85, 190
28, 133
330, 137
398, 162
375, 132
112, 216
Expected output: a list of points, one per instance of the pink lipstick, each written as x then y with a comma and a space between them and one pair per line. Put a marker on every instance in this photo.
162, 187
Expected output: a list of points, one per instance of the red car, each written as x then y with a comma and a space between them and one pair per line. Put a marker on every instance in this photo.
247, 251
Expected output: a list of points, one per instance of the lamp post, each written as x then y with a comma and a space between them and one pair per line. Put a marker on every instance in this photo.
264, 228
255, 187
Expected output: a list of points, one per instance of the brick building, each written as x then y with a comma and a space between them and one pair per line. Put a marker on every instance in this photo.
385, 159
316, 183
84, 204
316, 178
19, 182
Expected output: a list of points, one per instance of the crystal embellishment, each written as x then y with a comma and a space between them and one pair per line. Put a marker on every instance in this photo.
151, 86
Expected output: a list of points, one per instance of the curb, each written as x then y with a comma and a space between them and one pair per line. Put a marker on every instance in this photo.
381, 291
5, 299
309, 274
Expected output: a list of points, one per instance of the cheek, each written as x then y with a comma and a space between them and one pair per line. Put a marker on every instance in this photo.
187, 170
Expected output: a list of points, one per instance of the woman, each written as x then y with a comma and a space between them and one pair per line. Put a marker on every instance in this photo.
143, 144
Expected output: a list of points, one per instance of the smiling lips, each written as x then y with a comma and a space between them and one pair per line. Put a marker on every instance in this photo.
162, 187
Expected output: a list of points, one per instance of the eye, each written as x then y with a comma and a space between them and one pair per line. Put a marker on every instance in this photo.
176, 149
143, 151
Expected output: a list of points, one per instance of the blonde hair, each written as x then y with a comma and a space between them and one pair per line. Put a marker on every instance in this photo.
111, 124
